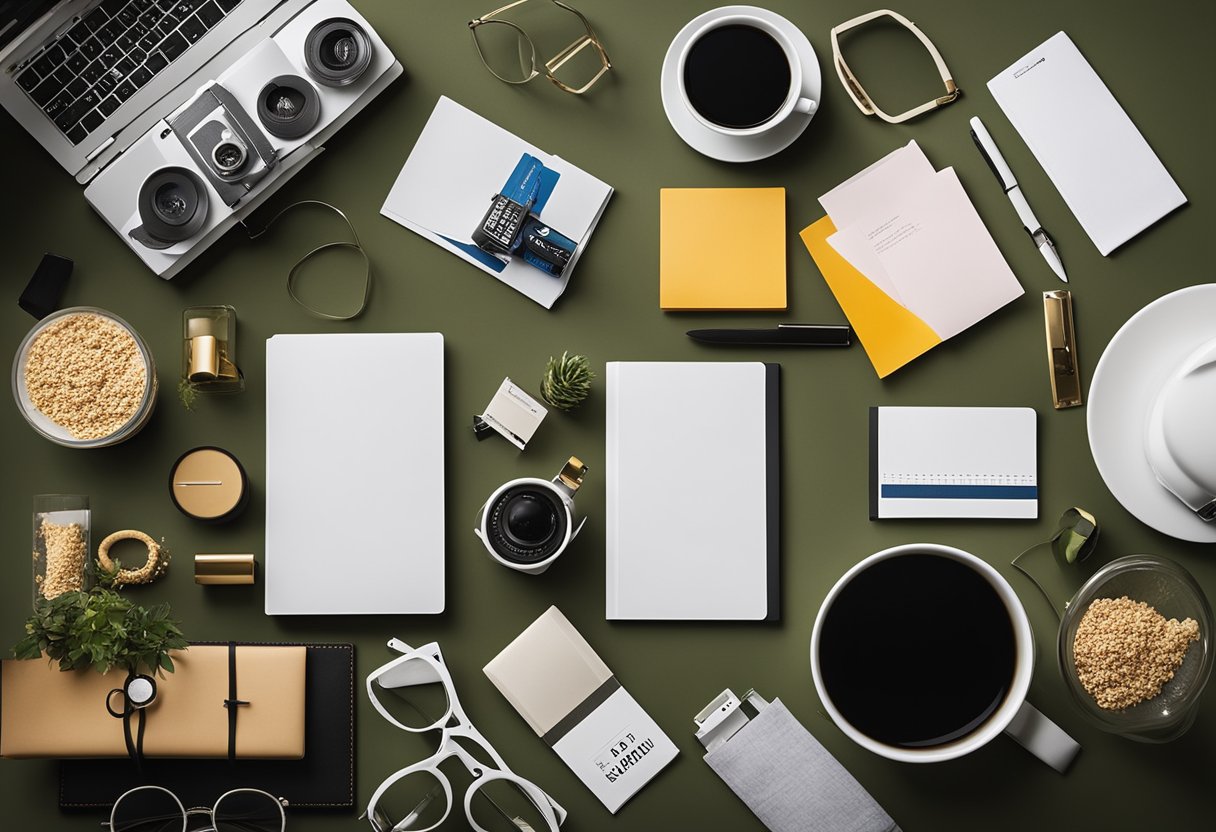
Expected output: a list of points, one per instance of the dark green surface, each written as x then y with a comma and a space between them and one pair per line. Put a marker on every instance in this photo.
1156, 58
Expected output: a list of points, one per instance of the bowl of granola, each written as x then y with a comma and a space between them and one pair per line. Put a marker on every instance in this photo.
83, 378
1135, 648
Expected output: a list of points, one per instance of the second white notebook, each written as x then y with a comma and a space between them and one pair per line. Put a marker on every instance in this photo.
692, 480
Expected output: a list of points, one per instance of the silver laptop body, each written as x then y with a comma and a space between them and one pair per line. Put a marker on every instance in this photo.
84, 26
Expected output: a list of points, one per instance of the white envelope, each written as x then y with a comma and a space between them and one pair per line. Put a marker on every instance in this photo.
1101, 164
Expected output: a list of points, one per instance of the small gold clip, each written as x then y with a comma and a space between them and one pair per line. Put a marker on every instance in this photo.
1062, 361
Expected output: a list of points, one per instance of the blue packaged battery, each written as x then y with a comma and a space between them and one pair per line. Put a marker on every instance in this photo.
546, 249
511, 225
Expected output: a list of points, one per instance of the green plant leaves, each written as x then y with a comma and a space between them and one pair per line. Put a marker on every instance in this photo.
102, 630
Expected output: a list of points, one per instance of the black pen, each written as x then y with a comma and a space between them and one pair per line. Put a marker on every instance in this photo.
792, 335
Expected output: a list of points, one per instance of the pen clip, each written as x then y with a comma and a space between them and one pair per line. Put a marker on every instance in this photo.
1061, 349
991, 165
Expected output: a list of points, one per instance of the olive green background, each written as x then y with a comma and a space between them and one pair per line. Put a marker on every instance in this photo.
1156, 58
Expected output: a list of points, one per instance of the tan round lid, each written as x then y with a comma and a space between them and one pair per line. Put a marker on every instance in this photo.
207, 483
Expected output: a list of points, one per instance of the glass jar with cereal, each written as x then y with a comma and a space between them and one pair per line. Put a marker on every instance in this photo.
61, 545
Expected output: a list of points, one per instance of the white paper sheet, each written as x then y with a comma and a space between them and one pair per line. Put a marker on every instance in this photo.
904, 171
1103, 167
936, 252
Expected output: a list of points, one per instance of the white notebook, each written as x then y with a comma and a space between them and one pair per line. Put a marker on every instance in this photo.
971, 462
1105, 170
692, 490
354, 474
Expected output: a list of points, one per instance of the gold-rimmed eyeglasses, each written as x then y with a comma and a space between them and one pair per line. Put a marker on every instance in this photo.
510, 55
861, 98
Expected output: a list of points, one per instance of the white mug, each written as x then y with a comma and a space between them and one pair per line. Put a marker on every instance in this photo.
1015, 716
795, 101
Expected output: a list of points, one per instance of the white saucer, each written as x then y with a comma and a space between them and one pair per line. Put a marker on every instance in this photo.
1136, 364
743, 148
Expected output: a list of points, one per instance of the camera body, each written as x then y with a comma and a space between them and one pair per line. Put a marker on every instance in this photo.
293, 83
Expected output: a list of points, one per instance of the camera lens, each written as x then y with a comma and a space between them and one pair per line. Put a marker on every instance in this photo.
172, 206
527, 524
337, 51
229, 157
171, 203
289, 107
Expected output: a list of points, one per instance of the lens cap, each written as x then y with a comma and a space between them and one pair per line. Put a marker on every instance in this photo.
289, 107
527, 524
172, 205
337, 52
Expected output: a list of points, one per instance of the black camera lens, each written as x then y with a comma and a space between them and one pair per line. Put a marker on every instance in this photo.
171, 203
229, 157
337, 51
527, 524
172, 206
289, 107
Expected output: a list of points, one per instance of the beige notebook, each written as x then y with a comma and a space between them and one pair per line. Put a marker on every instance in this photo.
570, 698
45, 712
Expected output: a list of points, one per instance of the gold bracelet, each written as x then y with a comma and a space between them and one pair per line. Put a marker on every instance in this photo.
157, 563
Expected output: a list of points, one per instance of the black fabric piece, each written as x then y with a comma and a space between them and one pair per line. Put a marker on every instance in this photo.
323, 780
42, 294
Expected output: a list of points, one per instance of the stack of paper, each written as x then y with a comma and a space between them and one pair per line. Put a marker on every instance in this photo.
722, 248
907, 257
459, 163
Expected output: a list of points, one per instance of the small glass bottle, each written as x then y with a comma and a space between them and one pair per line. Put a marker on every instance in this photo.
209, 350
62, 562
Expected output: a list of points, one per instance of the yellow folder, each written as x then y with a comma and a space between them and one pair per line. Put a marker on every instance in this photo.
891, 335
722, 248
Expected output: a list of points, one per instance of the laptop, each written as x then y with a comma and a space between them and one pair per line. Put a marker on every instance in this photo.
87, 78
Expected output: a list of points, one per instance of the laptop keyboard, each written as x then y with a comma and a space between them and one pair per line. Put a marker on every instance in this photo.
83, 76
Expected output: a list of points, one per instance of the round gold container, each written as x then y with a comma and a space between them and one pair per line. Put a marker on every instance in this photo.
208, 483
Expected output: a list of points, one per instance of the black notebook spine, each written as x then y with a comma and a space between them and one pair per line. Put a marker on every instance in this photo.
772, 430
873, 463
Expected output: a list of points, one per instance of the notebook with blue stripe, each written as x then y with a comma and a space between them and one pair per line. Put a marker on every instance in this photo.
953, 462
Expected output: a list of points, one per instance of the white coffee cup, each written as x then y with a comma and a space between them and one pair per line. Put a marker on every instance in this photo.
795, 101
1015, 716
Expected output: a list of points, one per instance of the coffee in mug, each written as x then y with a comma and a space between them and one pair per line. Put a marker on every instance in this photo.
737, 76
923, 653
917, 651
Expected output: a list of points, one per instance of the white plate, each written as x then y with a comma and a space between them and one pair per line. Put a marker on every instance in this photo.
738, 148
1136, 364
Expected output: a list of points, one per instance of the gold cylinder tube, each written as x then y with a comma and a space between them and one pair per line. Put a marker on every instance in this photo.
224, 569
204, 358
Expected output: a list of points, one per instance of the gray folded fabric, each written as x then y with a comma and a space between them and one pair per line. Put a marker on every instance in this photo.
791, 781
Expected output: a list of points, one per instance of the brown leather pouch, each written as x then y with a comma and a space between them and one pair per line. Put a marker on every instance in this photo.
45, 712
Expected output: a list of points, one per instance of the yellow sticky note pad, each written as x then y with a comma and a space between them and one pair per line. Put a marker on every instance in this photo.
722, 248
891, 335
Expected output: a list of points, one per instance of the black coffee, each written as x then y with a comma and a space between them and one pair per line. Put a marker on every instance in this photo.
737, 76
917, 650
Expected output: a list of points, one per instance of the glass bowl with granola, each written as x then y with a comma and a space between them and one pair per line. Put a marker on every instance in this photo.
1135, 648
83, 378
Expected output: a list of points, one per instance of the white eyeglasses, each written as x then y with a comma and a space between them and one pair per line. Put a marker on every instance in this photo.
156, 809
419, 797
